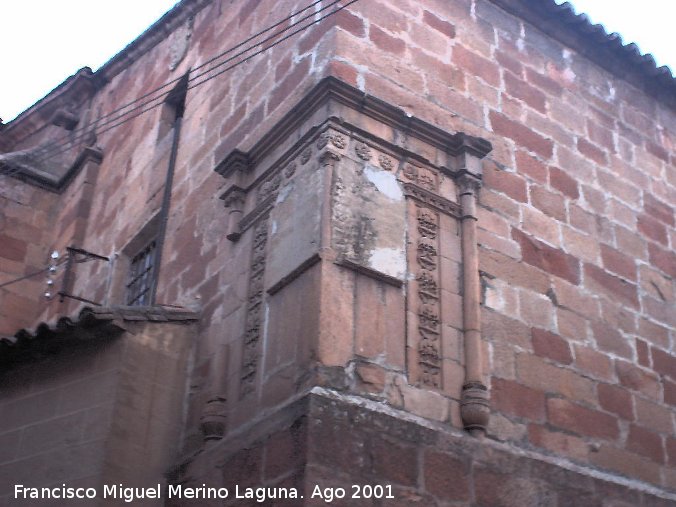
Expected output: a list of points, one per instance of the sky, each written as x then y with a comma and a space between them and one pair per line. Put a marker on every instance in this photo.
45, 41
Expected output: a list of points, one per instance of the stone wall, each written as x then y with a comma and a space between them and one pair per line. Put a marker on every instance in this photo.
56, 414
328, 442
576, 224
25, 220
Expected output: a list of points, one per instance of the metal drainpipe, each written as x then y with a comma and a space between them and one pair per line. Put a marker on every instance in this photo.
474, 405
166, 200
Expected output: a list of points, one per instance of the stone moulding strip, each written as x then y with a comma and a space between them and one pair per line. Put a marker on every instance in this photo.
252, 217
371, 273
432, 200
302, 268
55, 184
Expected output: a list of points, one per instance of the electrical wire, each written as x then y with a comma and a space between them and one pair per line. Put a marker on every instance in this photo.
211, 60
160, 100
48, 153
87, 130
145, 110
31, 275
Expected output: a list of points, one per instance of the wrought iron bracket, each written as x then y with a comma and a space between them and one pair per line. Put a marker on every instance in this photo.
77, 256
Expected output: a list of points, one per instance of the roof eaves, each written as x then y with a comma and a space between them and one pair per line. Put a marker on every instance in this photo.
92, 323
592, 41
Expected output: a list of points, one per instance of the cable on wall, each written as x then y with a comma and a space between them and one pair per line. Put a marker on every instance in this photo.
48, 153
173, 81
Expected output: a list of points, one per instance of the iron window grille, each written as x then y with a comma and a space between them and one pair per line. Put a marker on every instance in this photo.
142, 276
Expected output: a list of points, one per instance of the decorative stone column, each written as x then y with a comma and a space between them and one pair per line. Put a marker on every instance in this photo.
474, 405
233, 199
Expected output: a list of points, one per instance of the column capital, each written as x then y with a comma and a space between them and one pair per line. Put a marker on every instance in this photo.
468, 183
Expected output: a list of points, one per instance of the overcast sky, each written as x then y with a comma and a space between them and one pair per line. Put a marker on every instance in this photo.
45, 41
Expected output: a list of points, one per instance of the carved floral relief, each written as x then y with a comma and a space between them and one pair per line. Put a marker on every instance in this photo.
254, 316
427, 302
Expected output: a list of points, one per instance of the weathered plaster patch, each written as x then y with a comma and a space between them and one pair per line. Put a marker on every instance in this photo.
283, 194
390, 261
385, 182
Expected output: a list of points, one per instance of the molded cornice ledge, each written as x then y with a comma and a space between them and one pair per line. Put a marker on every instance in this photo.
61, 107
26, 166
331, 89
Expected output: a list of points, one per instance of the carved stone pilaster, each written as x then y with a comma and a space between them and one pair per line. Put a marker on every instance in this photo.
255, 311
428, 304
474, 403
421, 186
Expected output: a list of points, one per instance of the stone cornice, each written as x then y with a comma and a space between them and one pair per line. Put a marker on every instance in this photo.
333, 89
52, 182
70, 94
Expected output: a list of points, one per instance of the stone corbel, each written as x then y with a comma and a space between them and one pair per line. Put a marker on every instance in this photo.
236, 162
65, 118
329, 157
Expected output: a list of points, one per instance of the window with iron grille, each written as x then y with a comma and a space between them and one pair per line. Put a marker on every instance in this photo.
142, 276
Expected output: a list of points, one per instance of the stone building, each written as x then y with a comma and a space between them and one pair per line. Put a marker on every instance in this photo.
421, 246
